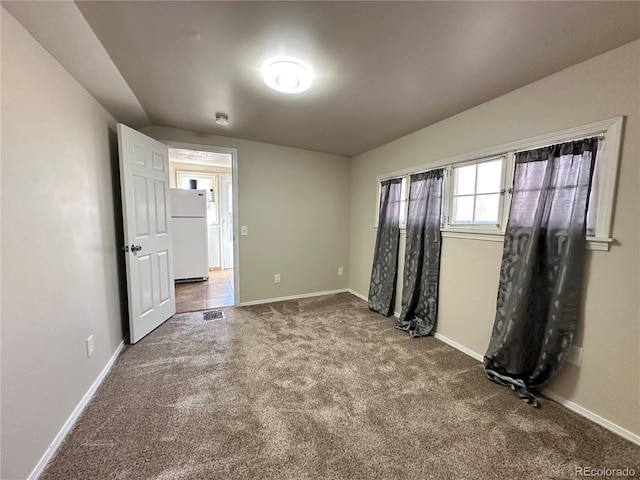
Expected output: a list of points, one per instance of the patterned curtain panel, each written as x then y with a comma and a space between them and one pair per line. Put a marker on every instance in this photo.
422, 256
384, 273
542, 267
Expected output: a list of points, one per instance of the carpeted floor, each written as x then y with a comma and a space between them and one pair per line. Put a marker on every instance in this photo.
319, 388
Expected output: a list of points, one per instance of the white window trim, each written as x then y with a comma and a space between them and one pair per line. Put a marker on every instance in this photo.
188, 173
180, 174
609, 130
507, 175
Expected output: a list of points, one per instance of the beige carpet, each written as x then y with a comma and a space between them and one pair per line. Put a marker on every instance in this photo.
319, 388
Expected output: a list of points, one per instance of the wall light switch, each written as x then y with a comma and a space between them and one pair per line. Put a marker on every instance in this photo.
244, 230
90, 346
276, 278
340, 271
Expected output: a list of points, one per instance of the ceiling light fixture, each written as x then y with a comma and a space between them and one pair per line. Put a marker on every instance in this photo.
286, 74
222, 119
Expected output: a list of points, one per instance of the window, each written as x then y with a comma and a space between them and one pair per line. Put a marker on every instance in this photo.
404, 201
202, 181
592, 210
476, 193
477, 196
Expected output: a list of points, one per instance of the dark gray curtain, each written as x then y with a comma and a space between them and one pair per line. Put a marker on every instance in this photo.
384, 273
542, 267
422, 256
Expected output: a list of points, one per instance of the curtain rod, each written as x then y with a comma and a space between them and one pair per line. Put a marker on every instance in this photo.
599, 136
503, 155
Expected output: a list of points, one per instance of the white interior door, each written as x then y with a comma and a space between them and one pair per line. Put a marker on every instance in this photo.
226, 196
146, 208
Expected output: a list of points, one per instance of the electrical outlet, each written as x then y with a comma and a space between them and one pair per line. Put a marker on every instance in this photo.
575, 355
340, 271
244, 230
276, 278
90, 346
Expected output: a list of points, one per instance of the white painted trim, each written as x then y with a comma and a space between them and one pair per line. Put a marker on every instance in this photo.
236, 222
600, 244
359, 295
608, 159
608, 175
611, 126
486, 236
57, 441
506, 175
236, 226
588, 414
593, 243
594, 417
293, 297
460, 347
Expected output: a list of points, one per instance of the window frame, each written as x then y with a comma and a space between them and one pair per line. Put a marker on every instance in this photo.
404, 201
506, 179
603, 191
214, 177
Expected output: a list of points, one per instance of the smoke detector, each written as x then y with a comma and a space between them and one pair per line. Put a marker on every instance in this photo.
222, 119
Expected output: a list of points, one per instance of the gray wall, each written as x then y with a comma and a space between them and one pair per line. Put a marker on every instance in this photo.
59, 243
61, 233
607, 383
295, 203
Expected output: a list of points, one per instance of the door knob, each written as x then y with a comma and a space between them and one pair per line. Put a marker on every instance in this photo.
136, 248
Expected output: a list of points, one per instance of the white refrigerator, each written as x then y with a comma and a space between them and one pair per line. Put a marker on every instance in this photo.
190, 243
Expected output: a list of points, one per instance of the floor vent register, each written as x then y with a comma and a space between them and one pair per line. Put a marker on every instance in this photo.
213, 315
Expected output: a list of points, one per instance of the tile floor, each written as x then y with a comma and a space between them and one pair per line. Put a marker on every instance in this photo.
213, 293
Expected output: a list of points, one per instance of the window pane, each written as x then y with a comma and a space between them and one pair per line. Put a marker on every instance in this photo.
463, 209
201, 183
489, 176
487, 208
403, 203
465, 183
592, 208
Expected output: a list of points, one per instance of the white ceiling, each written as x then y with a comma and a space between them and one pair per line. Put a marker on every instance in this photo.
384, 69
196, 157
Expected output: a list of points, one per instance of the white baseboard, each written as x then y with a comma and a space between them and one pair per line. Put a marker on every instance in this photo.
359, 295
292, 297
603, 422
57, 441
623, 432
462, 348
594, 417
366, 299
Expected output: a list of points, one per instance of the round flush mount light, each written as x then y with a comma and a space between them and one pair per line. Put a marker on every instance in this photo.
286, 74
222, 119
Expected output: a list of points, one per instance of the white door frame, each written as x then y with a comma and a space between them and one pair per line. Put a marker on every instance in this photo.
236, 222
221, 181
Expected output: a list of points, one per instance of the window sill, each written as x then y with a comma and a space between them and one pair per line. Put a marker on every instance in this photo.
600, 244
474, 235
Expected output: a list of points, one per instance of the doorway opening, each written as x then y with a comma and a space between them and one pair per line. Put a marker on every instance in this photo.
206, 256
